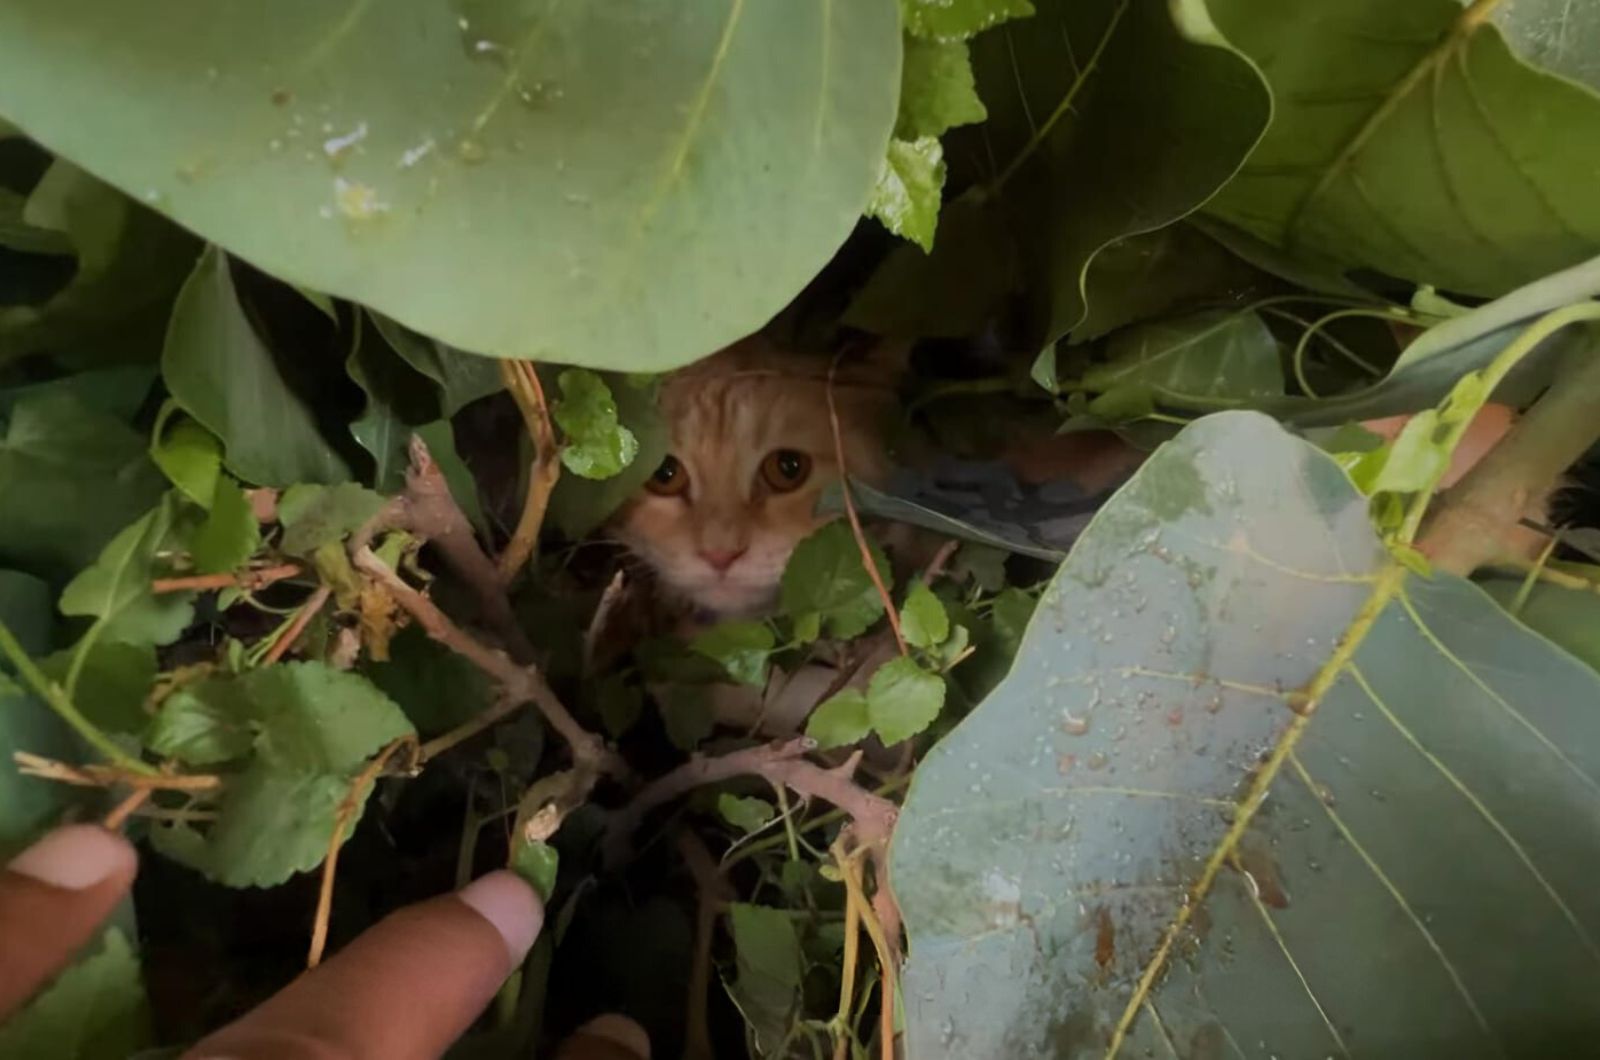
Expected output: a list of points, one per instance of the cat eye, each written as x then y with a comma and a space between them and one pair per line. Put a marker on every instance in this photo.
669, 480
786, 469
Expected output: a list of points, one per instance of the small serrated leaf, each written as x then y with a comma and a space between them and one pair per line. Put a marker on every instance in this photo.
742, 649
314, 515
745, 813
825, 574
597, 445
923, 621
903, 699
841, 719
230, 534
908, 192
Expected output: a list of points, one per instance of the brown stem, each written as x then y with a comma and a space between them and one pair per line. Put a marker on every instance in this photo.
91, 776
302, 619
521, 684
124, 809
249, 579
523, 382
1470, 526
502, 709
778, 763
428, 509
713, 893
855, 520
341, 822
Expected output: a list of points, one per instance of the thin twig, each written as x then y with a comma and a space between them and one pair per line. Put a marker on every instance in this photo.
341, 822
713, 893
855, 520
302, 618
247, 579
120, 813
888, 954
503, 708
521, 684
613, 595
92, 776
523, 382
843, 1031
57, 699
778, 763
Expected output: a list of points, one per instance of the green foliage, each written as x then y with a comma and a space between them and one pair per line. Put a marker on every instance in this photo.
597, 445
230, 534
903, 699
840, 719
71, 471
562, 181
306, 729
222, 373
1568, 616
313, 516
1365, 805
923, 620
189, 456
95, 1010
537, 863
770, 965
937, 91
826, 576
744, 813
1435, 173
1211, 359
28, 804
741, 648
578, 505
115, 589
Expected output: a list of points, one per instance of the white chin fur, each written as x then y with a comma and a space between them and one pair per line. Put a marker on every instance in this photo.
732, 601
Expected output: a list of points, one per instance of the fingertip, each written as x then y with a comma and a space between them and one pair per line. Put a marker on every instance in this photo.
620, 1031
510, 906
77, 857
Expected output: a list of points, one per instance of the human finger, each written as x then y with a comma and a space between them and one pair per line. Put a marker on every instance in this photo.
405, 988
54, 896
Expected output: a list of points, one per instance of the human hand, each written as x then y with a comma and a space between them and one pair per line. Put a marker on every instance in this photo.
406, 988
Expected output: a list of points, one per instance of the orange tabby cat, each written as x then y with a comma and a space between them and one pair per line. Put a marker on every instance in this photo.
751, 450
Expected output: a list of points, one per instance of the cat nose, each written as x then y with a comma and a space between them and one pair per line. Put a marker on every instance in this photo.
720, 559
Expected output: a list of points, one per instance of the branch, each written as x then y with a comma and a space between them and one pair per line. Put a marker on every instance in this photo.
1473, 518
248, 579
777, 763
523, 383
521, 684
302, 619
855, 520
341, 822
713, 893
32, 765
427, 508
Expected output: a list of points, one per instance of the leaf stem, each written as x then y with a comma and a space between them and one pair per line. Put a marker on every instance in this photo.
61, 702
522, 381
1550, 437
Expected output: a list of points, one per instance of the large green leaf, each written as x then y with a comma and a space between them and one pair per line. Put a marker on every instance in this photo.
115, 590
71, 473
462, 378
224, 375
28, 804
1199, 361
130, 263
1106, 118
1250, 781
1569, 617
1557, 35
1410, 139
1431, 365
519, 179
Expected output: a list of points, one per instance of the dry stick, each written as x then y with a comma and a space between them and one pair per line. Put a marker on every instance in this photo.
523, 684
503, 708
249, 579
855, 520
843, 1033
426, 508
120, 813
1469, 527
92, 776
523, 382
330, 864
888, 954
713, 893
302, 619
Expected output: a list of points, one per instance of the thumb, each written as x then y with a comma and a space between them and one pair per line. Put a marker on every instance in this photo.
54, 896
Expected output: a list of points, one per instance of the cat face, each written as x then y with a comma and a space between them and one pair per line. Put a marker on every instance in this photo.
751, 451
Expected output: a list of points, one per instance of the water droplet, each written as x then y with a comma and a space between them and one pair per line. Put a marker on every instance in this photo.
412, 155
1097, 761
337, 147
1072, 724
471, 151
275, 145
